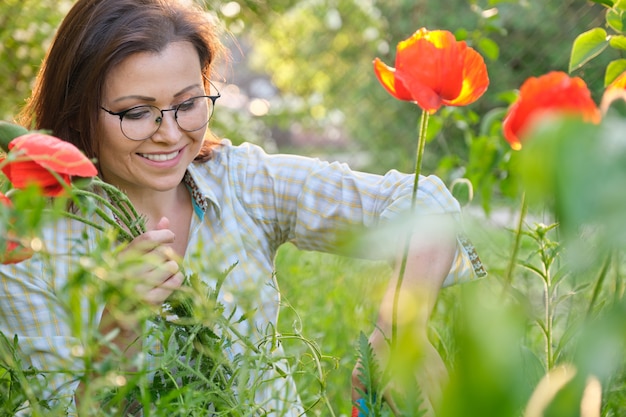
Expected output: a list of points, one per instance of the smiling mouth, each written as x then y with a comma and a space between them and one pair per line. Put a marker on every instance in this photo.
161, 157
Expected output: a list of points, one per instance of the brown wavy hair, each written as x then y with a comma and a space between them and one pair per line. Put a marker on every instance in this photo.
97, 35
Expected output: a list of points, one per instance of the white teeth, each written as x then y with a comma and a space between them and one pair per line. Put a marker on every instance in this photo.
160, 157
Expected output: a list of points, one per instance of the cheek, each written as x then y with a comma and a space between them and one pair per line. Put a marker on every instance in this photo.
111, 145
199, 138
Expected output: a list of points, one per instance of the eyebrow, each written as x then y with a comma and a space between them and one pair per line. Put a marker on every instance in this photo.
146, 98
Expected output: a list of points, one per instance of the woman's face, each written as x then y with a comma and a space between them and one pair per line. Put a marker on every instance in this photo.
163, 80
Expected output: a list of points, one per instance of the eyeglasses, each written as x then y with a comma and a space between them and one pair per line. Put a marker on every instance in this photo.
141, 122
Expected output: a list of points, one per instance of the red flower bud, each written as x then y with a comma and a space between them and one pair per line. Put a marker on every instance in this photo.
37, 155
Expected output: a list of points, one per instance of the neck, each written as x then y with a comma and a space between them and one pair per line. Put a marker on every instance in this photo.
157, 204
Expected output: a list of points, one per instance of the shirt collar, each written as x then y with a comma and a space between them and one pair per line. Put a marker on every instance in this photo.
201, 193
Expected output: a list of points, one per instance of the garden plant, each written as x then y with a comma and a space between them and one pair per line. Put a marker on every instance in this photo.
543, 334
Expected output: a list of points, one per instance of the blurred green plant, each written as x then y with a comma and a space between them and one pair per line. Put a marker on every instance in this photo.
497, 348
590, 44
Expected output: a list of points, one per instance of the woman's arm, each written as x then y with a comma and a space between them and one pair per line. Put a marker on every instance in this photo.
430, 258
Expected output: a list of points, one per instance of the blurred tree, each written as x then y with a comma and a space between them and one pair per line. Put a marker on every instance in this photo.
318, 54
26, 29
316, 59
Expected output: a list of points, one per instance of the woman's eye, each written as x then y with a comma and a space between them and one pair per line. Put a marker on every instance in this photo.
138, 113
187, 105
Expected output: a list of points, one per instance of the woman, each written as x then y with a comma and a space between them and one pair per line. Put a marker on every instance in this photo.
127, 82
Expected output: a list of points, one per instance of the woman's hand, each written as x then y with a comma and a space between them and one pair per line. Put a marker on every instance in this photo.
160, 275
156, 275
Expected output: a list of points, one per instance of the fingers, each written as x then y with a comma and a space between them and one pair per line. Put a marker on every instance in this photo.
159, 294
164, 223
161, 235
153, 264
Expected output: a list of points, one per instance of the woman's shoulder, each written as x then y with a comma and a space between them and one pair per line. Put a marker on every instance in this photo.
228, 159
227, 151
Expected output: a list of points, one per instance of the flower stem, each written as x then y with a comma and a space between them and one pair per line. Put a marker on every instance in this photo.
421, 143
119, 206
83, 220
125, 209
124, 235
508, 277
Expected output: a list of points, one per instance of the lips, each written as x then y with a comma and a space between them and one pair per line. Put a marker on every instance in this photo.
159, 157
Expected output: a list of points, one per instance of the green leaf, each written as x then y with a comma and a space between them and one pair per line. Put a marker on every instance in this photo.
8, 132
369, 374
463, 191
587, 46
618, 42
461, 34
615, 19
613, 70
608, 3
489, 48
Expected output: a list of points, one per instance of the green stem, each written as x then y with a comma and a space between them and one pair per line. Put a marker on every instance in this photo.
73, 216
508, 277
134, 225
113, 206
125, 235
421, 143
619, 288
549, 321
598, 285
127, 212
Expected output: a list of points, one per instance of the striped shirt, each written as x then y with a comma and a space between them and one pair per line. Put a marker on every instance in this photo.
247, 204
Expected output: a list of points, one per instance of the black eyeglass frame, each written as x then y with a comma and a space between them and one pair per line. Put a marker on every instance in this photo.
122, 113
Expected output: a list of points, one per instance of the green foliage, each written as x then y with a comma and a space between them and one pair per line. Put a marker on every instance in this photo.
613, 70
551, 168
26, 28
370, 376
587, 46
15, 389
555, 294
318, 55
593, 42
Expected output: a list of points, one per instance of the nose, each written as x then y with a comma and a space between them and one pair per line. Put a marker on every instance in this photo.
168, 130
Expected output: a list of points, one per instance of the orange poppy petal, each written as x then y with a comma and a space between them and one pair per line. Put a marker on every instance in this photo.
5, 201
54, 154
450, 53
511, 125
424, 96
22, 174
386, 76
555, 92
14, 251
475, 79
434, 69
434, 60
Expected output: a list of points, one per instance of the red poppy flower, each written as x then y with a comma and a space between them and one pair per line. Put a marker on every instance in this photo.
434, 69
14, 251
555, 92
39, 156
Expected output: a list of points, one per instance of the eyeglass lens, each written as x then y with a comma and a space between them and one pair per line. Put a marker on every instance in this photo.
141, 122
